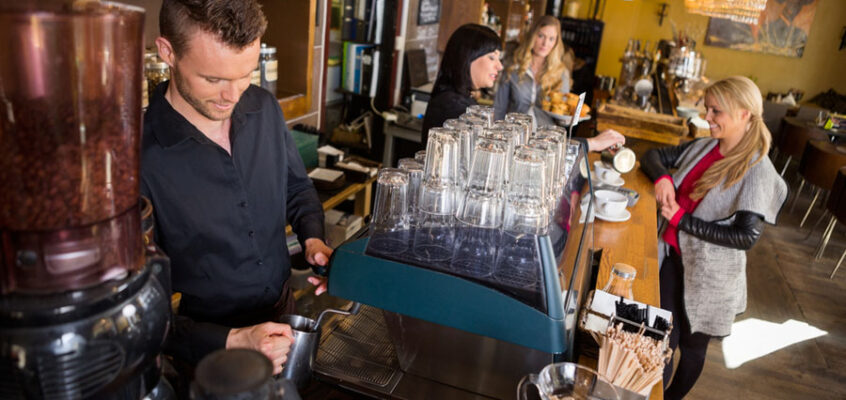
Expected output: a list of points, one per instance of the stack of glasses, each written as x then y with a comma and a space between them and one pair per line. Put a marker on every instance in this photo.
476, 204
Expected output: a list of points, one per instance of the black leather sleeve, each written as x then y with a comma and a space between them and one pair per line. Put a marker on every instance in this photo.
741, 234
658, 161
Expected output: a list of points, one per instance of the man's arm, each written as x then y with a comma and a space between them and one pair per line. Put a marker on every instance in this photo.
304, 209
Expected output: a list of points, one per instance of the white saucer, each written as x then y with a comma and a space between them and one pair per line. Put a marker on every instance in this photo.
615, 183
624, 216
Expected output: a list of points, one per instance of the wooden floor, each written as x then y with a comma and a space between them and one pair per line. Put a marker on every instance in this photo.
785, 283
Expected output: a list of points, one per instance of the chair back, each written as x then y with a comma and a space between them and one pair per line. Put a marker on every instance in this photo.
773, 115
821, 162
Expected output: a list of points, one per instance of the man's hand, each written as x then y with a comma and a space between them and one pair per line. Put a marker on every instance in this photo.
607, 138
317, 253
665, 192
270, 338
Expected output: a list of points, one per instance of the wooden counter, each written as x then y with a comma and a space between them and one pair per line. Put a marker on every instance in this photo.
634, 242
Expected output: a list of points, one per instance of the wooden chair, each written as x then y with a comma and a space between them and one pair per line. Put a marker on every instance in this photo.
793, 140
837, 207
819, 165
774, 113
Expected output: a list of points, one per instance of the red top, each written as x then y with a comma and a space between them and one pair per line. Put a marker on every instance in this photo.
686, 204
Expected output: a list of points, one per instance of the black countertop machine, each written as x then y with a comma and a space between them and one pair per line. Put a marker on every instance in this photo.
83, 309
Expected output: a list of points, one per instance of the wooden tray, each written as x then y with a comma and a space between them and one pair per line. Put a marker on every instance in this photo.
639, 124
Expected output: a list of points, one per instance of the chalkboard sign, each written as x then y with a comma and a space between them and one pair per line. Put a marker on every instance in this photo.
429, 12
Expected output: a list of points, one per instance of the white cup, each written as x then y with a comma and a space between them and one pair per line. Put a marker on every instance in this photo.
610, 203
605, 173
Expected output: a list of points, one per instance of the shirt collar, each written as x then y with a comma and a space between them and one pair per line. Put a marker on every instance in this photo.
171, 128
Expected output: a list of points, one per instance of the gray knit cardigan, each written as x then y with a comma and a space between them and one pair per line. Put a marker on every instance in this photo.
714, 275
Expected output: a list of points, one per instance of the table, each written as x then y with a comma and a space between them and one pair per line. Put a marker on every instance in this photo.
634, 242
833, 134
393, 131
363, 192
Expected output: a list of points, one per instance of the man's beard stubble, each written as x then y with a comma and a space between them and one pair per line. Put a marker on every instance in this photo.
197, 104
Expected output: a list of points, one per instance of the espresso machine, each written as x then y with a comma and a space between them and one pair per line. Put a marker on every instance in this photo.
83, 309
443, 330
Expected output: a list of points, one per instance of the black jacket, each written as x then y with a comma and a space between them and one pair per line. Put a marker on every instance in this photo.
741, 234
443, 106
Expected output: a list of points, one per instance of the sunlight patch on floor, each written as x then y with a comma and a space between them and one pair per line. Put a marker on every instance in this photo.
753, 338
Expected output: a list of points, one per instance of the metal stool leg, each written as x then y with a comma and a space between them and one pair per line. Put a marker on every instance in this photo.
816, 195
825, 238
816, 224
786, 163
796, 196
838, 265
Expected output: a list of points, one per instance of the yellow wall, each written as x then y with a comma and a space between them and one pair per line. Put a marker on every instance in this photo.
820, 68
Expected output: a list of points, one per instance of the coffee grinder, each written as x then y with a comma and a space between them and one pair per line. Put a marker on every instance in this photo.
83, 313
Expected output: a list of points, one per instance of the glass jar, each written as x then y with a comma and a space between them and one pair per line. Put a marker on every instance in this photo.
156, 71
70, 136
620, 280
268, 67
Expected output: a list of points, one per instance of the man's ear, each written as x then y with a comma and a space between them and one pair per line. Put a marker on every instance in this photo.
166, 51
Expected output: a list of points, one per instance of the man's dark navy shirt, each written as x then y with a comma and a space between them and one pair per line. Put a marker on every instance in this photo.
221, 218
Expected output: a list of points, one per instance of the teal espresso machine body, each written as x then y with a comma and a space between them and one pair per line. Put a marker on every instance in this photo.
477, 325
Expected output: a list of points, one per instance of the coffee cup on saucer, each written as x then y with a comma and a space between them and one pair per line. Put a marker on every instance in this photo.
605, 174
610, 203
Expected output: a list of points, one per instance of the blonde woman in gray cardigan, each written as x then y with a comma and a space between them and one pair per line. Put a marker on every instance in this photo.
714, 207
539, 65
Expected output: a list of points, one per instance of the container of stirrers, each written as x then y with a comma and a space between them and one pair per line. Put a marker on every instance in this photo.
632, 356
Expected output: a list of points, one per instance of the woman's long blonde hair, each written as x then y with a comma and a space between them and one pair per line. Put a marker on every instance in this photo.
553, 66
732, 95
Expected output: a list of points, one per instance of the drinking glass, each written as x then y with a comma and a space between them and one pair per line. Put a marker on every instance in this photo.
475, 251
466, 141
517, 260
559, 138
433, 238
420, 156
526, 121
525, 203
414, 169
478, 123
568, 381
441, 157
389, 226
481, 204
550, 177
485, 112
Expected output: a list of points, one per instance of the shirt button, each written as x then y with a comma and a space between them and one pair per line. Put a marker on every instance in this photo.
252, 234
242, 204
260, 262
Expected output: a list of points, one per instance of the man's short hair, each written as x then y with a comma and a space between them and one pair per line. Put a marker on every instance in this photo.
236, 23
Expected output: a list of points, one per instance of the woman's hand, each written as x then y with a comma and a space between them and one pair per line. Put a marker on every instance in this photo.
607, 138
665, 192
669, 209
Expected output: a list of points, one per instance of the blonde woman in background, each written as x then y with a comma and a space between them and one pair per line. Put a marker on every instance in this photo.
539, 66
714, 207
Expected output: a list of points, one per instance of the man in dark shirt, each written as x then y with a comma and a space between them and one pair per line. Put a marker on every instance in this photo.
224, 177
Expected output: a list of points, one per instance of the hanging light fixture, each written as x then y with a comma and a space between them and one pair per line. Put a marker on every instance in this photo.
745, 11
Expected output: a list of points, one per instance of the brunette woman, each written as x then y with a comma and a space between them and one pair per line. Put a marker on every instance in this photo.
470, 63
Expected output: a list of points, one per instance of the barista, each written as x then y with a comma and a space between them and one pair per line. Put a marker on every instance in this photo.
224, 177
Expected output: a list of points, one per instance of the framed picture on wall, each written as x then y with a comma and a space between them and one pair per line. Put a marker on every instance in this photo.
782, 29
429, 12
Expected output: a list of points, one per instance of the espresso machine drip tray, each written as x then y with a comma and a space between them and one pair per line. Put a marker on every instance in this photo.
358, 349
